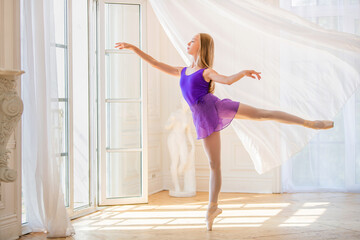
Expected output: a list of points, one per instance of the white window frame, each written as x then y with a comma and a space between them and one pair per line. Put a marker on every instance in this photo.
101, 107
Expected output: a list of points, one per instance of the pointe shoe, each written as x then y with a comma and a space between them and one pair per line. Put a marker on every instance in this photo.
319, 124
210, 218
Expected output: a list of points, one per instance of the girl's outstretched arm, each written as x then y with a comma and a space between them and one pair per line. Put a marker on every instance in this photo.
238, 76
228, 80
175, 71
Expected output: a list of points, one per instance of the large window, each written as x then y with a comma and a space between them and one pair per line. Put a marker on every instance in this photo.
71, 31
331, 160
77, 157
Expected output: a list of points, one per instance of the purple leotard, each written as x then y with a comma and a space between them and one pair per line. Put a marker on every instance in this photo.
209, 112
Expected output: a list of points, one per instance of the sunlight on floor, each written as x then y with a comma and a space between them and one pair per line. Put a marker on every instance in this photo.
192, 215
294, 216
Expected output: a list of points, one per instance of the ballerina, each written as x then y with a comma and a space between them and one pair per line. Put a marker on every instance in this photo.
211, 114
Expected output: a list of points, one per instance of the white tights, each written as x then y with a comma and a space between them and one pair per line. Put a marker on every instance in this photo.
212, 146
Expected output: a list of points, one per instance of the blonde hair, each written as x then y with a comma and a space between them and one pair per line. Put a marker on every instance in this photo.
205, 56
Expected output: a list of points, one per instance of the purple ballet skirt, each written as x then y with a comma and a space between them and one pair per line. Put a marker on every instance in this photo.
209, 113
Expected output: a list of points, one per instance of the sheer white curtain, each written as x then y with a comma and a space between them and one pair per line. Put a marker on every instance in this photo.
43, 195
331, 160
253, 34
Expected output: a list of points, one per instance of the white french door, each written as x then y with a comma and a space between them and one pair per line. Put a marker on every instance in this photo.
122, 104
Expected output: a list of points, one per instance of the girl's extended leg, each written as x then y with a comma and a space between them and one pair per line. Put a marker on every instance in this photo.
247, 112
212, 146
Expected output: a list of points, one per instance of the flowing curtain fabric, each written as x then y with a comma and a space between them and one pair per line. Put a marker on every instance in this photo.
44, 200
251, 34
331, 160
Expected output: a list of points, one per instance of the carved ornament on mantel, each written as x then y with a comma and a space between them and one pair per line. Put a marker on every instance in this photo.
11, 108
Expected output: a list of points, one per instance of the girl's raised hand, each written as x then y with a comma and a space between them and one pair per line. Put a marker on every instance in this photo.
123, 45
249, 73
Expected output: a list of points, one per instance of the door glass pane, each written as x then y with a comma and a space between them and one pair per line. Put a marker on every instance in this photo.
327, 2
123, 174
63, 163
354, 2
59, 17
62, 127
330, 22
80, 86
303, 166
331, 165
60, 62
122, 24
122, 76
123, 125
357, 26
357, 122
297, 3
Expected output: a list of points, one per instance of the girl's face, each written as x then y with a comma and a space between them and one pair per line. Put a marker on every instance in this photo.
193, 45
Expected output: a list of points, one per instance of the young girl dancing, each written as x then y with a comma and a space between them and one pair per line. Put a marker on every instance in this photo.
211, 114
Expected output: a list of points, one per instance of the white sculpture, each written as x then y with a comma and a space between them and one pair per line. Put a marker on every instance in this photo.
11, 108
182, 160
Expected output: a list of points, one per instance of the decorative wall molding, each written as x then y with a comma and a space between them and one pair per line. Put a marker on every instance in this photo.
154, 97
11, 108
9, 227
155, 156
155, 164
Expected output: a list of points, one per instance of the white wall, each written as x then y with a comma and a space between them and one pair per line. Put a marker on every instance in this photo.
10, 193
238, 172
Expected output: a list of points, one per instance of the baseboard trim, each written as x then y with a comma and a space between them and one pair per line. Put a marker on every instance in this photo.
9, 228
